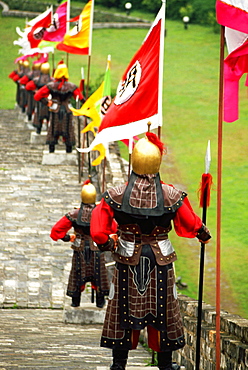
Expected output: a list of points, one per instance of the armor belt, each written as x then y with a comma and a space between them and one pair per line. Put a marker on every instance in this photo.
131, 240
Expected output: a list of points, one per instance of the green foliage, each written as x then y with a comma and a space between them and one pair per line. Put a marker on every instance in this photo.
151, 5
173, 8
202, 10
186, 11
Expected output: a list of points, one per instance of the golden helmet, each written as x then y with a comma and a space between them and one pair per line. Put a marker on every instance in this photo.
147, 155
45, 68
20, 65
26, 63
88, 193
61, 71
36, 66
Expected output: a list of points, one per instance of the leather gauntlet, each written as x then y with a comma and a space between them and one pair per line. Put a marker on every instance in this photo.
203, 234
66, 238
108, 246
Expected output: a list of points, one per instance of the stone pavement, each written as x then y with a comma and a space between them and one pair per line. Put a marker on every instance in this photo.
38, 328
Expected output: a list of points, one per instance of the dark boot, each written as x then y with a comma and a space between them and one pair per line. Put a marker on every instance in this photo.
38, 129
165, 361
75, 301
68, 148
119, 359
51, 148
100, 300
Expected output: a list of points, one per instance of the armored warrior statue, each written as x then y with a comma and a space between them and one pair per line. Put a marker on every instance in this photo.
35, 72
61, 91
41, 111
21, 93
143, 291
88, 263
15, 76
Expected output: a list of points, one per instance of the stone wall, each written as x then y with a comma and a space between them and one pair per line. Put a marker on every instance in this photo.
234, 338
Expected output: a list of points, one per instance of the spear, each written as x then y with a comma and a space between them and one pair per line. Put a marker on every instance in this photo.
204, 203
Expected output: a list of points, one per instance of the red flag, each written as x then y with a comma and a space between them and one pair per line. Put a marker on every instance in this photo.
138, 94
38, 27
233, 14
57, 29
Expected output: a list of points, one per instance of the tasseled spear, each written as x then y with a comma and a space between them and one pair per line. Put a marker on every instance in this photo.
204, 191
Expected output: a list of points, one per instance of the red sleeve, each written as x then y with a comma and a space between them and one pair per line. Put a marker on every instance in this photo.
30, 86
78, 93
186, 222
13, 74
43, 92
102, 223
24, 80
60, 229
16, 78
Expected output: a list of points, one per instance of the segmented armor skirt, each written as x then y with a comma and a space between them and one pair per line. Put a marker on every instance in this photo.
88, 267
61, 125
139, 296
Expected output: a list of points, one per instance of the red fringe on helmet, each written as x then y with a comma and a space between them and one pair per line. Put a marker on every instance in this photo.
86, 182
204, 190
155, 140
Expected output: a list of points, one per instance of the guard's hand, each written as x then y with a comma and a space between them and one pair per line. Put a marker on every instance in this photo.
72, 238
49, 103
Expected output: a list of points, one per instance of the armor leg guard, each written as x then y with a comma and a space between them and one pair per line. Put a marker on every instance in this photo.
165, 361
119, 359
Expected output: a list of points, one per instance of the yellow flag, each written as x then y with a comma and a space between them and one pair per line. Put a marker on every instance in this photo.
91, 102
101, 156
78, 39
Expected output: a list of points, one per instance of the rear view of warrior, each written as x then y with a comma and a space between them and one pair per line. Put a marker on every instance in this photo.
88, 263
61, 91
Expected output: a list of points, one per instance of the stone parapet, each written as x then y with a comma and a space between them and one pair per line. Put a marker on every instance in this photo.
234, 344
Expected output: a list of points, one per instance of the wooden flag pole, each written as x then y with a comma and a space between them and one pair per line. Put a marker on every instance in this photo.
85, 118
161, 70
219, 186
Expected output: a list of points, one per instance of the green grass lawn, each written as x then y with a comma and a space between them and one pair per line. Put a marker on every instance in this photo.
190, 119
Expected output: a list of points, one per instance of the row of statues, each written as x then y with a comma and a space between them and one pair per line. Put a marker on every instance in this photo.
46, 98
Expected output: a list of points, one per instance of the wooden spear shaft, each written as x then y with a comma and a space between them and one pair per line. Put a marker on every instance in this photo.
200, 290
204, 202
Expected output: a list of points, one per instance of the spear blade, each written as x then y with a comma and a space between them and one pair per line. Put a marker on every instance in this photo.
208, 158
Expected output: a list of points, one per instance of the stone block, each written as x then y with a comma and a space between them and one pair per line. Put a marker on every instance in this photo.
128, 368
59, 157
85, 314
38, 139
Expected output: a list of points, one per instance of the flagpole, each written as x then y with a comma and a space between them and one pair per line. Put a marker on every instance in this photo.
219, 186
67, 27
161, 68
130, 149
88, 81
68, 5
